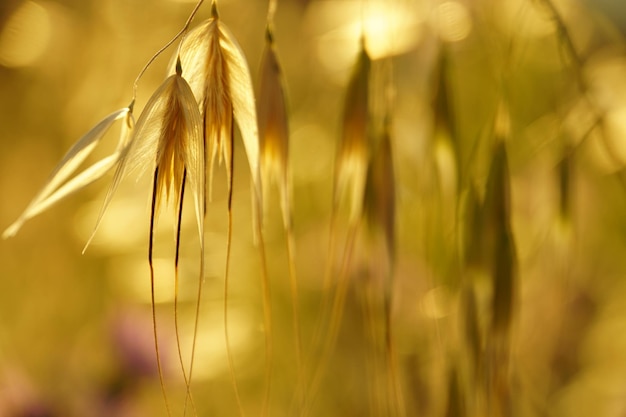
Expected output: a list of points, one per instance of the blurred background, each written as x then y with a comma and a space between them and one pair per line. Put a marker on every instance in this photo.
76, 330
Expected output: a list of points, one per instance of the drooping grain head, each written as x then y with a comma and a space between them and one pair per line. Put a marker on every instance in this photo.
444, 117
353, 152
499, 241
379, 202
274, 126
167, 140
216, 69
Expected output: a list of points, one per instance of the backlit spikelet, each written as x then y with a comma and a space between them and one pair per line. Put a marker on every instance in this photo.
379, 199
351, 163
501, 248
168, 141
218, 74
58, 185
273, 125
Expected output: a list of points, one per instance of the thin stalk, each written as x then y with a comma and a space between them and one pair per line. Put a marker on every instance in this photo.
336, 315
293, 284
368, 311
167, 45
301, 390
267, 318
395, 387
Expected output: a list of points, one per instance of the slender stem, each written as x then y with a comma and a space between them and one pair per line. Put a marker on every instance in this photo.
336, 315
293, 283
302, 388
267, 318
154, 321
167, 45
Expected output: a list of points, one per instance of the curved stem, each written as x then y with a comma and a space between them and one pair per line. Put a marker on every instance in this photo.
167, 45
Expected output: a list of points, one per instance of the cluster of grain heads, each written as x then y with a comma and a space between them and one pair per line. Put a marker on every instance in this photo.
217, 71
185, 125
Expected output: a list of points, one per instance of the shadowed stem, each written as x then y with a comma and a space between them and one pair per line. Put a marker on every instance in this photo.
154, 322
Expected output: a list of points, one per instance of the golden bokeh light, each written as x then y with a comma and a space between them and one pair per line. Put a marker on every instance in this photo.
26, 35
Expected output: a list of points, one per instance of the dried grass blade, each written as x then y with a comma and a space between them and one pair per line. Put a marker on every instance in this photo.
51, 193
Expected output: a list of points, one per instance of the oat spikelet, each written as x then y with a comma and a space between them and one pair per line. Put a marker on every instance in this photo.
58, 186
167, 137
273, 126
217, 71
352, 157
497, 229
379, 198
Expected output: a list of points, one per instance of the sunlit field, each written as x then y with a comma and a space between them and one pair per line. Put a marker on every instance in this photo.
312, 208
